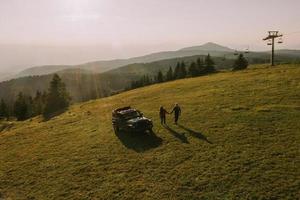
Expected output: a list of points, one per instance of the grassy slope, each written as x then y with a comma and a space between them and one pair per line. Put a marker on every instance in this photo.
243, 142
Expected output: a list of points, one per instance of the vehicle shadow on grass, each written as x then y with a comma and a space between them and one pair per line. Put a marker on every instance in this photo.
195, 134
139, 142
179, 136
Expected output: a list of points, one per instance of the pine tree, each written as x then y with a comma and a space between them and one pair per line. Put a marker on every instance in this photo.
177, 71
30, 106
240, 63
57, 98
146, 80
209, 64
44, 97
200, 66
193, 71
21, 107
169, 75
39, 103
160, 77
183, 71
3, 110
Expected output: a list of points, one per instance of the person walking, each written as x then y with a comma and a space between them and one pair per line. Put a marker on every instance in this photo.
162, 115
177, 112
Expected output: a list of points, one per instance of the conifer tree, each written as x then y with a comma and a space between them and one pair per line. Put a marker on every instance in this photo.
39, 103
21, 107
30, 106
3, 110
147, 80
169, 75
177, 71
160, 77
183, 71
193, 71
240, 63
57, 97
209, 64
200, 66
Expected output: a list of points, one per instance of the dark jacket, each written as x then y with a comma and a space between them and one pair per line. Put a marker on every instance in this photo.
176, 110
162, 112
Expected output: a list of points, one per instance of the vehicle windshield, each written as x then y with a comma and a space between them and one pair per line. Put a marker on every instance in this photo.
131, 115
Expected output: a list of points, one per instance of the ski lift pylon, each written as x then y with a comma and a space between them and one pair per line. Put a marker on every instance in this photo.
247, 50
269, 42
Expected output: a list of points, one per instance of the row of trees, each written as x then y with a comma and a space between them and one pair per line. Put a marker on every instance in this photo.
57, 97
46, 103
26, 106
181, 70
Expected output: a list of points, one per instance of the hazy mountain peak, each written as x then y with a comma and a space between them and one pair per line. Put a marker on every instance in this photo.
210, 46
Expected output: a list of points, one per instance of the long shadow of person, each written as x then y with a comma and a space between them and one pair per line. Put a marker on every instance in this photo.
179, 136
139, 142
195, 134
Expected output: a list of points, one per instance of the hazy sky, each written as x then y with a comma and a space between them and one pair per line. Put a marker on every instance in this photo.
123, 28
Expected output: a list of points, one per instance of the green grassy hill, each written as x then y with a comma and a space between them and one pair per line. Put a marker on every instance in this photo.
238, 138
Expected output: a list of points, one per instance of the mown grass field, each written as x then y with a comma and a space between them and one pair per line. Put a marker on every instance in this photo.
238, 138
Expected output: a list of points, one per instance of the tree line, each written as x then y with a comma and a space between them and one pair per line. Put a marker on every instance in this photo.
45, 103
57, 97
181, 70
196, 68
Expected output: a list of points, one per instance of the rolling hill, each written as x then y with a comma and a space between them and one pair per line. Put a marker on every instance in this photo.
84, 84
102, 66
215, 50
210, 47
238, 138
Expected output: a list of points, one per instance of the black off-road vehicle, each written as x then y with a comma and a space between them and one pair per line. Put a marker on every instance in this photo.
130, 120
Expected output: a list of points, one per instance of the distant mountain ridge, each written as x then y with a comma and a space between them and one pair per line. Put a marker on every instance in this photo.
106, 65
83, 83
210, 46
214, 49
